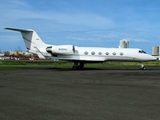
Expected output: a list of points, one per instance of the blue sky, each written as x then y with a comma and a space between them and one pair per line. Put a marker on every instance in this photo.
100, 23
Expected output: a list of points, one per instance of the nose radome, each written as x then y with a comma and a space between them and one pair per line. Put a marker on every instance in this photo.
154, 58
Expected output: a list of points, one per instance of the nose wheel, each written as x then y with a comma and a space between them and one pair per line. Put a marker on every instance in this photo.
142, 67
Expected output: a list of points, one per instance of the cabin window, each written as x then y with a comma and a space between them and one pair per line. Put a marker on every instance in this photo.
100, 53
107, 53
93, 53
121, 53
114, 53
86, 53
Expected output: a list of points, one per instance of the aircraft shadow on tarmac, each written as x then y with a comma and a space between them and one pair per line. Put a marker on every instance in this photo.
88, 69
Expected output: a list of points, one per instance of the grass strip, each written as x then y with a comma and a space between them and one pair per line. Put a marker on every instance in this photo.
65, 64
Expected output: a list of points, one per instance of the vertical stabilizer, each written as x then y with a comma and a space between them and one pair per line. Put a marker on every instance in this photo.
32, 42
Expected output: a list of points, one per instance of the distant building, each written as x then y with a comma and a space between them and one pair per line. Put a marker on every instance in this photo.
124, 43
156, 52
1, 56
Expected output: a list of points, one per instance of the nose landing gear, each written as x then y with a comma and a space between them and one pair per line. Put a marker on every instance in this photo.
142, 67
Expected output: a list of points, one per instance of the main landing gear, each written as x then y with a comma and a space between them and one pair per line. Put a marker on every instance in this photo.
76, 66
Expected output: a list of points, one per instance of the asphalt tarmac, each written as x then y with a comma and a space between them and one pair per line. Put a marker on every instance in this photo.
45, 93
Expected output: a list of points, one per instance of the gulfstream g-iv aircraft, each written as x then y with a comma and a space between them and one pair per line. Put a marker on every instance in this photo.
80, 55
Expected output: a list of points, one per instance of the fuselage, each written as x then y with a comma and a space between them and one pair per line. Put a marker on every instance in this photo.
99, 54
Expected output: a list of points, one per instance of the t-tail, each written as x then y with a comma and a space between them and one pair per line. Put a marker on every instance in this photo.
33, 42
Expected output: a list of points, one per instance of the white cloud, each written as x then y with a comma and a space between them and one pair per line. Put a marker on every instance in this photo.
10, 38
18, 11
85, 19
139, 40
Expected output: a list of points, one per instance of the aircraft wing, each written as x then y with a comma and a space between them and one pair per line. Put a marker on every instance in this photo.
82, 58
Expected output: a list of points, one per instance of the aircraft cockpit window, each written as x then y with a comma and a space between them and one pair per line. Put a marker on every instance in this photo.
141, 51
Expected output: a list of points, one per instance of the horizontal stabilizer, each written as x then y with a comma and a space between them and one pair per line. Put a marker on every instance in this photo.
20, 30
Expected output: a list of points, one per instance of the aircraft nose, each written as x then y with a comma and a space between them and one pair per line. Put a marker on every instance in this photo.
154, 58
157, 59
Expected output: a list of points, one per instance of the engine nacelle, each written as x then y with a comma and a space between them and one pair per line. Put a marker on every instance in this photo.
61, 49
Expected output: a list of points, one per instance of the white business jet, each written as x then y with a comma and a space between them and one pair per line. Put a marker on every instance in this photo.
80, 55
